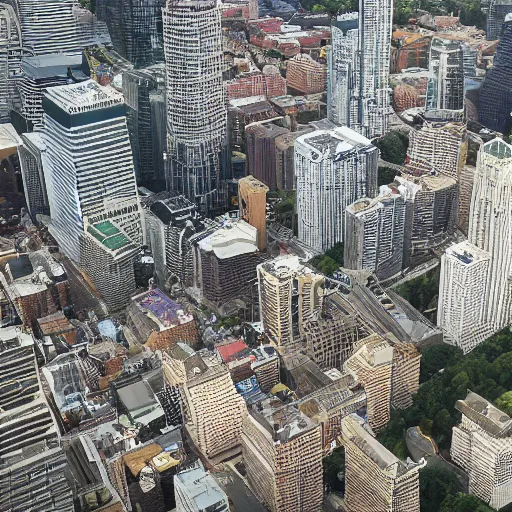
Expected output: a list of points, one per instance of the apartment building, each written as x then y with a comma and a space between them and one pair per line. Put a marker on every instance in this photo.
482, 446
289, 293
88, 165
375, 478
484, 264
252, 202
375, 232
333, 169
196, 111
282, 452
305, 75
439, 148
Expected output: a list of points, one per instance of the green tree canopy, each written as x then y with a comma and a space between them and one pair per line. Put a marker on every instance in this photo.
504, 402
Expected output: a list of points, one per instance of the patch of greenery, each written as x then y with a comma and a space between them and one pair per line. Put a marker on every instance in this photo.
436, 484
385, 175
504, 402
421, 291
393, 147
463, 503
329, 262
334, 464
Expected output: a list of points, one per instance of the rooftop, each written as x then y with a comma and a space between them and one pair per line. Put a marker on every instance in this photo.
108, 235
467, 253
84, 97
231, 239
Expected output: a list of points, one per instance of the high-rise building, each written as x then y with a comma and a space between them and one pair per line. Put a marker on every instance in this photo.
135, 27
488, 263
482, 446
445, 89
282, 451
497, 11
305, 75
375, 233
437, 147
375, 478
252, 202
289, 293
342, 67
212, 408
88, 163
359, 94
59, 26
431, 212
495, 99
333, 169
144, 94
196, 111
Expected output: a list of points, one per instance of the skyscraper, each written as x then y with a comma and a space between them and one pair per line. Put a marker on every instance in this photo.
196, 112
485, 259
358, 92
445, 89
333, 169
375, 233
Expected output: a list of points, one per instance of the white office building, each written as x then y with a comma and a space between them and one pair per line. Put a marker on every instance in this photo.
88, 164
375, 233
333, 169
490, 231
196, 110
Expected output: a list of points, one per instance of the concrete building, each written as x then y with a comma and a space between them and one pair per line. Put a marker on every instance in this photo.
495, 101
496, 11
375, 478
375, 233
88, 163
342, 66
431, 213
489, 263
289, 293
333, 169
437, 148
196, 490
212, 408
282, 452
196, 111
135, 28
482, 446
252, 202
446, 89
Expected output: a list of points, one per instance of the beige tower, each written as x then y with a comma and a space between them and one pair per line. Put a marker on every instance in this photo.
252, 202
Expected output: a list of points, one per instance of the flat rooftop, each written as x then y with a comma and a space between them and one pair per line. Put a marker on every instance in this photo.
84, 97
467, 253
339, 140
108, 235
231, 239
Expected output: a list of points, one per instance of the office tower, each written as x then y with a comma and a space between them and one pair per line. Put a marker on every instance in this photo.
213, 409
464, 278
482, 446
445, 89
227, 258
142, 90
332, 331
252, 202
406, 374
135, 27
10, 56
88, 165
375, 479
375, 233
282, 452
495, 100
372, 365
196, 489
305, 75
342, 65
437, 148
59, 26
289, 293
32, 464
497, 11
261, 152
431, 212
465, 180
333, 169
196, 112
31, 162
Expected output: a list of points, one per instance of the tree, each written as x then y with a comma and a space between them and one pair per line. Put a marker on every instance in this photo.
436, 483
385, 175
463, 503
437, 357
334, 465
333, 7
504, 402
393, 147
